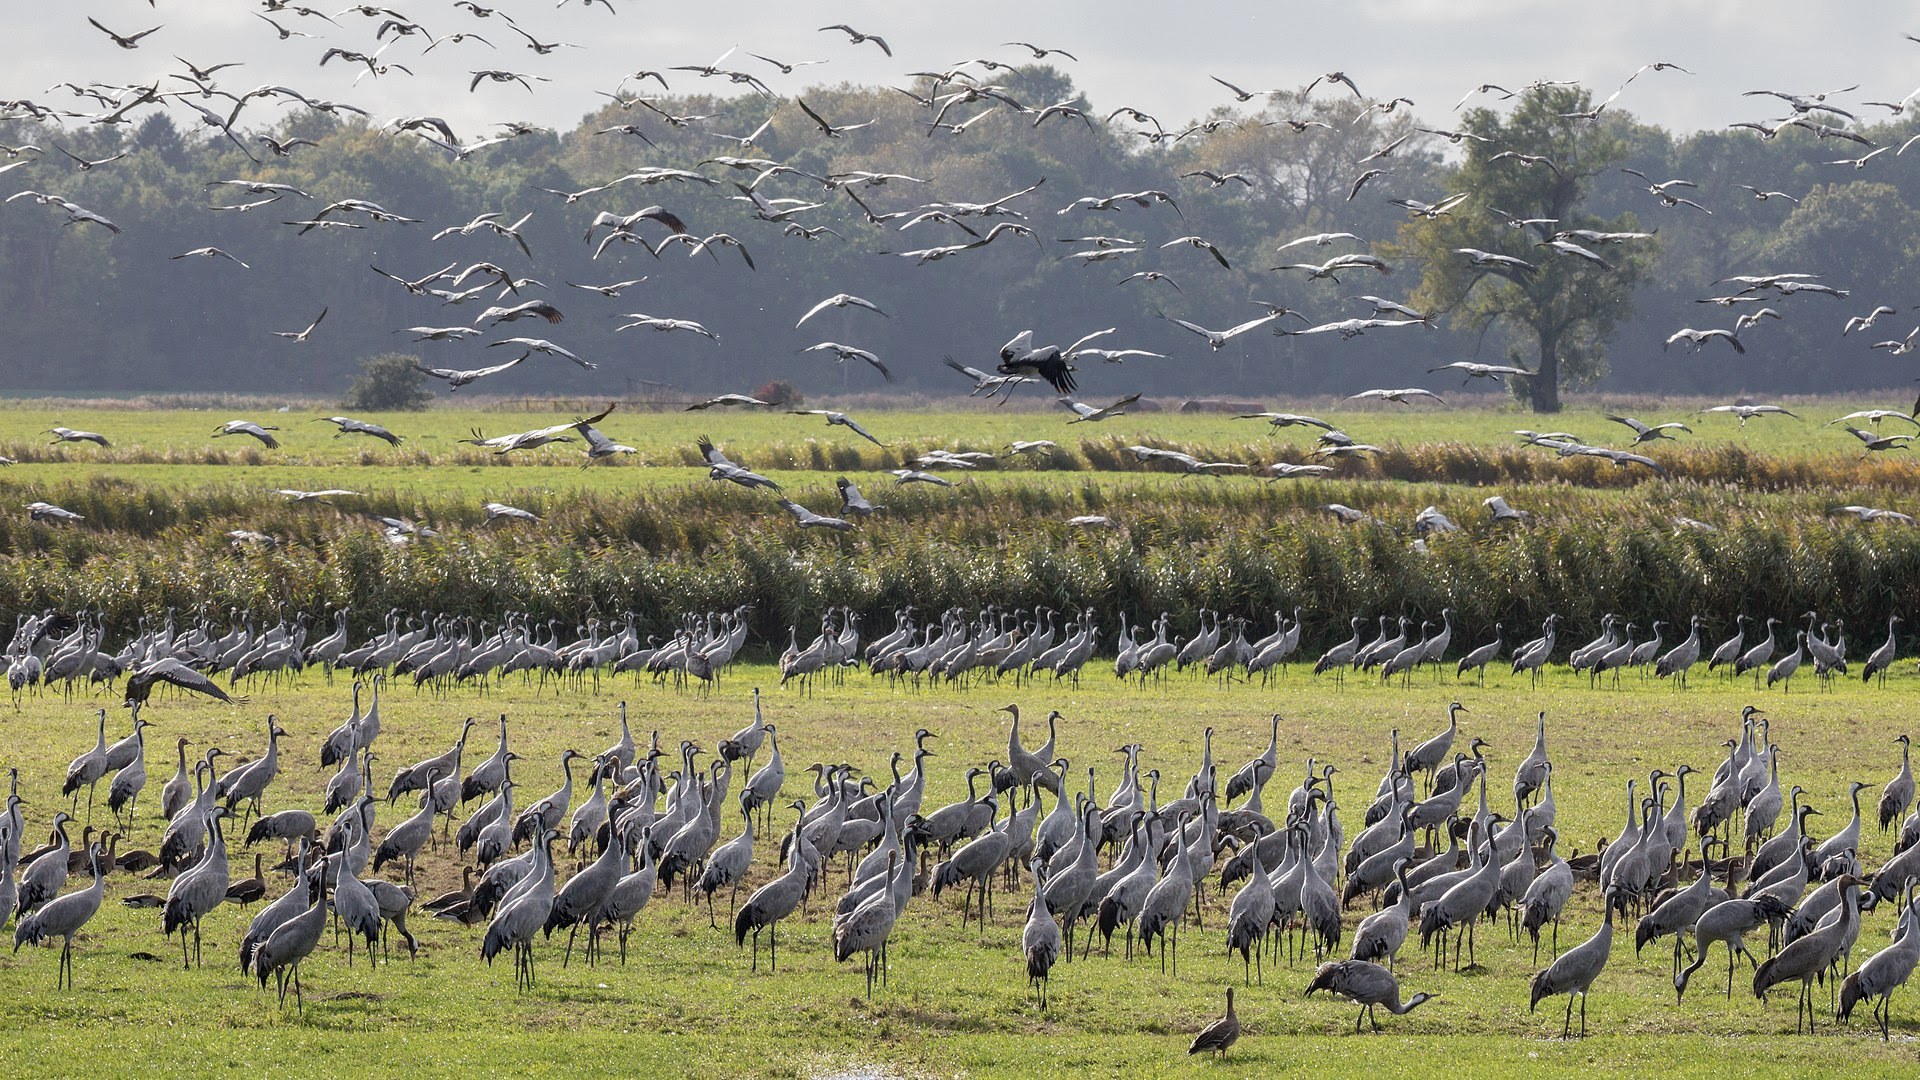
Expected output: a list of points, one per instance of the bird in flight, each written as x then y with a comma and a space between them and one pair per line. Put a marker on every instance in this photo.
457, 377
67, 434
841, 419
728, 401
829, 130
1748, 412
1019, 358
296, 336
719, 467
248, 427
1217, 339
848, 352
1649, 432
46, 511
855, 37
840, 300
1086, 414
349, 426
1483, 371
125, 41
810, 520
1400, 396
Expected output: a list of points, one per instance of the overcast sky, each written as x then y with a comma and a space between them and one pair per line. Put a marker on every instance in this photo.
1130, 52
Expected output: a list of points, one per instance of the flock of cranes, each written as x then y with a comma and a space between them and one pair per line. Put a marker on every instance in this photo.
1165, 855
955, 648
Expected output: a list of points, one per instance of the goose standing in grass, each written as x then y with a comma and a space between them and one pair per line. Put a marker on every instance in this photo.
1218, 1036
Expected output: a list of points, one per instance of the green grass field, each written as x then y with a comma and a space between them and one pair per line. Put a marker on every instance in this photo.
957, 1003
667, 437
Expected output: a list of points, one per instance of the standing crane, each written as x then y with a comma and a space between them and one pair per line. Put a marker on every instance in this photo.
1572, 973
63, 917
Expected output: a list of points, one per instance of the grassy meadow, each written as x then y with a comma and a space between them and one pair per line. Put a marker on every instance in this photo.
957, 1003
651, 534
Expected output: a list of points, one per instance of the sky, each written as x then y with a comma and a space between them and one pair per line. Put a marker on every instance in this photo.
1129, 51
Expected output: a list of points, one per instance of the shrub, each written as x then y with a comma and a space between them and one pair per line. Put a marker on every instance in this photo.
388, 382
780, 392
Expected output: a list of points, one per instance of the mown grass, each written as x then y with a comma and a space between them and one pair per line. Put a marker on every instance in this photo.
957, 1003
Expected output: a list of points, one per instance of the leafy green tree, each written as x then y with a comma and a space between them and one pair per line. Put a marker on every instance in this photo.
389, 382
1535, 164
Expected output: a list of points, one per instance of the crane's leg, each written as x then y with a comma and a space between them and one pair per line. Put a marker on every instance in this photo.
1176, 947
1566, 1030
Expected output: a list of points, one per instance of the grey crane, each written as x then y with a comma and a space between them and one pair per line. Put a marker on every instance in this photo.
343, 787
248, 782
582, 899
1461, 906
1071, 888
123, 791
1783, 669
1167, 901
67, 434
1477, 660
1380, 935
1811, 955
1367, 985
631, 893
1729, 652
1787, 847
349, 426
867, 927
776, 900
179, 790
248, 427
763, 787
1848, 838
42, 876
283, 949
1254, 773
198, 890
1682, 909
1884, 972
1729, 922
489, 774
1572, 973
523, 912
63, 916
1898, 794
975, 864
1532, 773
1039, 939
1682, 657
1883, 657
1249, 916
745, 743
728, 864
87, 769
295, 900
355, 906
1759, 656
404, 841
1427, 756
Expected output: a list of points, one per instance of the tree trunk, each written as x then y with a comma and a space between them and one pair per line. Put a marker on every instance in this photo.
1543, 389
